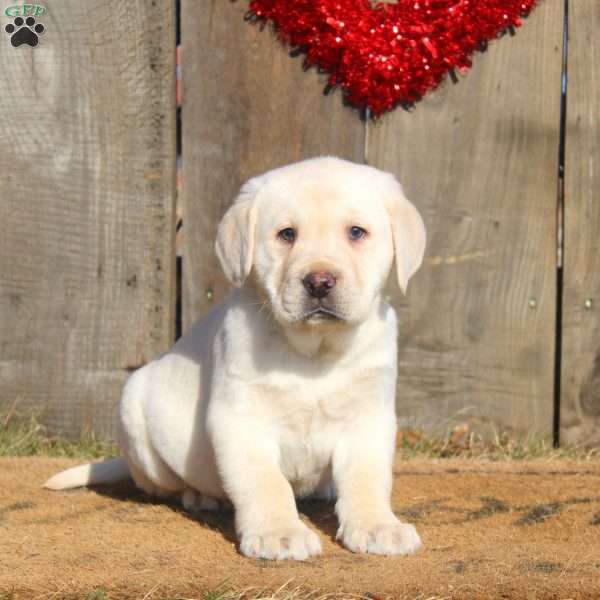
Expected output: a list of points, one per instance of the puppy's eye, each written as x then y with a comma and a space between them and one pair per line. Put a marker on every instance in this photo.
357, 233
287, 235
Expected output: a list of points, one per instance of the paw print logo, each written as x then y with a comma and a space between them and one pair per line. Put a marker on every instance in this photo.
24, 31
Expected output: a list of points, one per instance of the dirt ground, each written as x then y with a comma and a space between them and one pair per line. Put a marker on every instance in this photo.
491, 530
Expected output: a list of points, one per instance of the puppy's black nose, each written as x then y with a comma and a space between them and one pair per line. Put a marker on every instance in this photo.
319, 284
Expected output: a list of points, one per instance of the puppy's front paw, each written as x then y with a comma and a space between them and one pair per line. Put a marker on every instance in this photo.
296, 541
387, 539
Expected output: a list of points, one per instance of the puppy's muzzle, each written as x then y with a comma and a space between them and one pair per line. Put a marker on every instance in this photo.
319, 284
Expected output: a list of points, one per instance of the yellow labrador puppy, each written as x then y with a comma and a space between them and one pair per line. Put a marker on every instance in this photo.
286, 388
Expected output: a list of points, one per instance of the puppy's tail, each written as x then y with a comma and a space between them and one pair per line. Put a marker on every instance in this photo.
108, 471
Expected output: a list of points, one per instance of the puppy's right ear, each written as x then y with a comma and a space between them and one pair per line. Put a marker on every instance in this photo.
235, 236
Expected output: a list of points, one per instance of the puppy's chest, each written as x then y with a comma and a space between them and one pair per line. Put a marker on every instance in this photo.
307, 439
308, 420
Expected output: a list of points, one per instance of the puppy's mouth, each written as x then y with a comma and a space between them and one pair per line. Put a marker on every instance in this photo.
321, 314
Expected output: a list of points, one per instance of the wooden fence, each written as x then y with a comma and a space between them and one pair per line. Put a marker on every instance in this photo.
87, 192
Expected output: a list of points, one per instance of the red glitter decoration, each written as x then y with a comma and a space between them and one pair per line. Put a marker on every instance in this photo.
382, 54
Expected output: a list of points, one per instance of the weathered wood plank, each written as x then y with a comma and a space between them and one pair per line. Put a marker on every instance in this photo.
86, 208
479, 159
580, 397
248, 107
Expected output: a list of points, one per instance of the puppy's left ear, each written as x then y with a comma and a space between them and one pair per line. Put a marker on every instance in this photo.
235, 236
408, 234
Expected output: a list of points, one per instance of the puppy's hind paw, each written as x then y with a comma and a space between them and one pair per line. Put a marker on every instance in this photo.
296, 542
387, 539
194, 501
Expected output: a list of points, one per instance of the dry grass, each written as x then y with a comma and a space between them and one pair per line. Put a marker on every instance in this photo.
462, 442
23, 435
285, 592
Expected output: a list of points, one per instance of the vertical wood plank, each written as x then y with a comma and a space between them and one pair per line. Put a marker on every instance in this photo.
87, 151
248, 107
580, 394
479, 159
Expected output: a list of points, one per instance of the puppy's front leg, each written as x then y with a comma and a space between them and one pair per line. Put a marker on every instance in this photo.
266, 517
362, 470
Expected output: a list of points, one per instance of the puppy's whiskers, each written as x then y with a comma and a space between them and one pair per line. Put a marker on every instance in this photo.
265, 309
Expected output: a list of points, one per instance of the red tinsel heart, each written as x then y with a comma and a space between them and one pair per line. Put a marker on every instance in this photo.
383, 54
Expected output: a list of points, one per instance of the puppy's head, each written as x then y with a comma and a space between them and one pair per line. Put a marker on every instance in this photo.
319, 238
